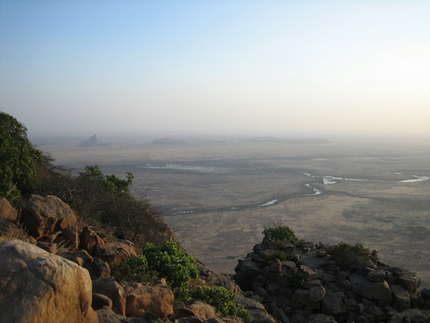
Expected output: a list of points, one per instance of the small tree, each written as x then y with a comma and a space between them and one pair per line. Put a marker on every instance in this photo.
17, 159
173, 264
280, 232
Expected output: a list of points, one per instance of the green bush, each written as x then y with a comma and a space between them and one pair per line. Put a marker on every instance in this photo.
17, 159
280, 232
173, 264
135, 269
352, 257
223, 300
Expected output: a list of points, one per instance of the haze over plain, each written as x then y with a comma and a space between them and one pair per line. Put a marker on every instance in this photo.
216, 67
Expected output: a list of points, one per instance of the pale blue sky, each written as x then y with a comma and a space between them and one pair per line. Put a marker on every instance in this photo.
217, 67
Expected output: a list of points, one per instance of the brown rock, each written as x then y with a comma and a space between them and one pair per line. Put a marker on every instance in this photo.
100, 301
275, 266
7, 211
37, 286
198, 309
115, 252
142, 299
71, 237
106, 315
88, 239
96, 267
113, 290
45, 216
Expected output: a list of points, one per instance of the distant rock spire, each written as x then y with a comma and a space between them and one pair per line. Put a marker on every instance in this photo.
92, 141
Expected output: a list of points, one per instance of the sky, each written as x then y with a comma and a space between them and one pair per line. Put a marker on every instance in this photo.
258, 68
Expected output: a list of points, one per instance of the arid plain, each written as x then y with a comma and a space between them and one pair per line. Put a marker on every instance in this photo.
219, 195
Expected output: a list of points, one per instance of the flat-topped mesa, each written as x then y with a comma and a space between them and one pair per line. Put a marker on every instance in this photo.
305, 281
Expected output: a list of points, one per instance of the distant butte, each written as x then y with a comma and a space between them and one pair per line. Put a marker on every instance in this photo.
92, 141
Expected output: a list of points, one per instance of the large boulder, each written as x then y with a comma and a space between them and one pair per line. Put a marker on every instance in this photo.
36, 286
246, 271
7, 211
44, 216
141, 299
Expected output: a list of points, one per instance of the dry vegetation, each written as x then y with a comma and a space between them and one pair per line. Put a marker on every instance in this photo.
227, 221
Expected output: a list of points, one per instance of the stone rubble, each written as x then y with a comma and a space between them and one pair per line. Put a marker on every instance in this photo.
309, 286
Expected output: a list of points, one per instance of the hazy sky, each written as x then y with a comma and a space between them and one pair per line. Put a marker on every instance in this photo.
225, 67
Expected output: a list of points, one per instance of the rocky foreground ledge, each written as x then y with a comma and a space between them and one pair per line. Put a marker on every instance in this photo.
60, 272
310, 287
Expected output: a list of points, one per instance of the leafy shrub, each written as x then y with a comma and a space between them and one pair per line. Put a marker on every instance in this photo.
135, 269
173, 264
280, 232
223, 300
352, 257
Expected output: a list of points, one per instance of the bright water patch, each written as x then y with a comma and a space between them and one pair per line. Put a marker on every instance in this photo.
191, 168
269, 203
330, 180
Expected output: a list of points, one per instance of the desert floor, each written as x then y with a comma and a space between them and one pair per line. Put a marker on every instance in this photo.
219, 195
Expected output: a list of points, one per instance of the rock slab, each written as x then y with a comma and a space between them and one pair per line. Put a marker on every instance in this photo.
36, 286
44, 216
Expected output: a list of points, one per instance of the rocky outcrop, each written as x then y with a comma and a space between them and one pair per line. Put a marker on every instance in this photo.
37, 286
309, 286
45, 216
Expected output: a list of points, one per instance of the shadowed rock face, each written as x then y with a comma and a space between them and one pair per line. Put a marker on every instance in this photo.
310, 283
37, 286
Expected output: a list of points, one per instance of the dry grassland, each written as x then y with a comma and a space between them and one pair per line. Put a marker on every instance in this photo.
212, 196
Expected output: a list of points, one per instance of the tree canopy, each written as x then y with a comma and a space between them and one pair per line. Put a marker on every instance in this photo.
17, 158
